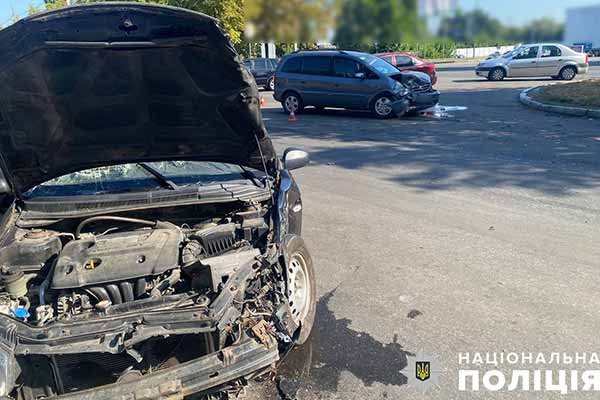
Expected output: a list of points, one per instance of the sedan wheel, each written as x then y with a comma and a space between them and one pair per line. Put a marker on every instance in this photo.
301, 287
271, 84
497, 74
568, 73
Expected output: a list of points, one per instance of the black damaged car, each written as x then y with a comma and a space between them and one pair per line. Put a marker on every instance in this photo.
150, 240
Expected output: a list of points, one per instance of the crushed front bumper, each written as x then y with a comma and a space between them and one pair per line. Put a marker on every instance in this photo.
193, 377
421, 101
401, 106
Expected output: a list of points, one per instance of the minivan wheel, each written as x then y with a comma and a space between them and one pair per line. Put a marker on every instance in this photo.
292, 101
567, 73
301, 286
381, 107
270, 84
497, 74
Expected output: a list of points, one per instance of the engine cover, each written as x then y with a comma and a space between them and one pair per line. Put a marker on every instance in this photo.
115, 257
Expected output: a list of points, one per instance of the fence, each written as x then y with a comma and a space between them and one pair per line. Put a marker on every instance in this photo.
431, 50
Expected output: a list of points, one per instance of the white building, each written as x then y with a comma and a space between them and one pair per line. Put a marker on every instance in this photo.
583, 25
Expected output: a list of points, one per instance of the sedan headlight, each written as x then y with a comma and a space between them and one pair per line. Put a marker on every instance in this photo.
8, 371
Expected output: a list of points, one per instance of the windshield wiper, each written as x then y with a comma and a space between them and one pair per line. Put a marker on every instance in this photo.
163, 180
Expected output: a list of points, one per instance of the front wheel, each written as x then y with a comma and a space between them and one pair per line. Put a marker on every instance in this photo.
270, 84
292, 102
301, 287
497, 74
381, 107
567, 73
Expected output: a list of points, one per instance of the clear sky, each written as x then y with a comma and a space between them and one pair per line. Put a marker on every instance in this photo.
515, 12
518, 12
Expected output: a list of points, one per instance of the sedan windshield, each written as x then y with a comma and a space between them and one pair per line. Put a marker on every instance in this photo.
138, 177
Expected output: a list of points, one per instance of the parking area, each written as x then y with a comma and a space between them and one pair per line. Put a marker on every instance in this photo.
472, 233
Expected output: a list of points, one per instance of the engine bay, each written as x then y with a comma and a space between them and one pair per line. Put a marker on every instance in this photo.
49, 275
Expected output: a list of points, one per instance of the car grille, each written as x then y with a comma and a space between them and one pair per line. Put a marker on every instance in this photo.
415, 88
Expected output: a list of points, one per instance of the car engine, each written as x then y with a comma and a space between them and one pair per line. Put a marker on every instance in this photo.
47, 276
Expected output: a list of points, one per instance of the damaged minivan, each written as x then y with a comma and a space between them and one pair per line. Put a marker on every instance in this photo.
150, 240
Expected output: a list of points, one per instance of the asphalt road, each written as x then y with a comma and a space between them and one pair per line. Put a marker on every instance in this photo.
477, 233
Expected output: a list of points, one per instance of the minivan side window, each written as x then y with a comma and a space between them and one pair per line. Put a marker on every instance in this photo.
345, 67
292, 66
316, 65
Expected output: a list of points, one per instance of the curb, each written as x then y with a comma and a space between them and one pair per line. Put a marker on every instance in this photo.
528, 101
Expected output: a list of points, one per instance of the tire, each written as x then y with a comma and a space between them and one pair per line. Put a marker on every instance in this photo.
567, 73
381, 107
301, 286
270, 84
497, 74
290, 99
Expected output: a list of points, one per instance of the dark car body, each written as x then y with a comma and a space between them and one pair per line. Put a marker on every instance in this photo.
263, 70
149, 231
352, 80
410, 62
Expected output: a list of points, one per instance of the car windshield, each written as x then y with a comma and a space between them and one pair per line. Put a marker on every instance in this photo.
379, 64
137, 178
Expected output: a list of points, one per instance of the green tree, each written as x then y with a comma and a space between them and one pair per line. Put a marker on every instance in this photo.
361, 22
288, 21
478, 27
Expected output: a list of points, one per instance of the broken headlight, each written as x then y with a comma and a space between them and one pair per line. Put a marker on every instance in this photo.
8, 371
400, 90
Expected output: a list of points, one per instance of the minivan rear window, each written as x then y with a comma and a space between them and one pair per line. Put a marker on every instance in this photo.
316, 65
293, 65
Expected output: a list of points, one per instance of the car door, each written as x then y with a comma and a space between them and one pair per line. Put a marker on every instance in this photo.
316, 81
524, 62
550, 60
404, 63
351, 87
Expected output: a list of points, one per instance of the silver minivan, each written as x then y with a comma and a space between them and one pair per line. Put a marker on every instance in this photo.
542, 59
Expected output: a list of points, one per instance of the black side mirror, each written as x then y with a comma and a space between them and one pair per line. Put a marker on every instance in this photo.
294, 158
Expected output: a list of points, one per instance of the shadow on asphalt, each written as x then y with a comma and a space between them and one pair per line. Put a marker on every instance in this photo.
334, 348
496, 143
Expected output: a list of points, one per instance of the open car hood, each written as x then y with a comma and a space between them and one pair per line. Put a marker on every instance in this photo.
112, 83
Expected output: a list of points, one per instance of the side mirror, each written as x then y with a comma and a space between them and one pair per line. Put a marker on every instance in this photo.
360, 75
294, 158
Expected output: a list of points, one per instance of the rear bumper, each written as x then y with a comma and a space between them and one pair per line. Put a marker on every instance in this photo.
189, 378
583, 68
421, 101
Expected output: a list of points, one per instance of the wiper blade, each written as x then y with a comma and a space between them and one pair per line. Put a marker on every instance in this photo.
163, 180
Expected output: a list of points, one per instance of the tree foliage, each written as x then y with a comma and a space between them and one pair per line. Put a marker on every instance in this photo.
288, 21
378, 21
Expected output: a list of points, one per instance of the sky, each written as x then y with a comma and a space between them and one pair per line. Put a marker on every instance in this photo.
519, 12
512, 12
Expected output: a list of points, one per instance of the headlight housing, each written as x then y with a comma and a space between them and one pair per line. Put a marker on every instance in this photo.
8, 370
400, 90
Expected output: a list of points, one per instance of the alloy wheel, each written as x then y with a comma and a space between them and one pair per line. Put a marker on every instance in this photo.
383, 106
